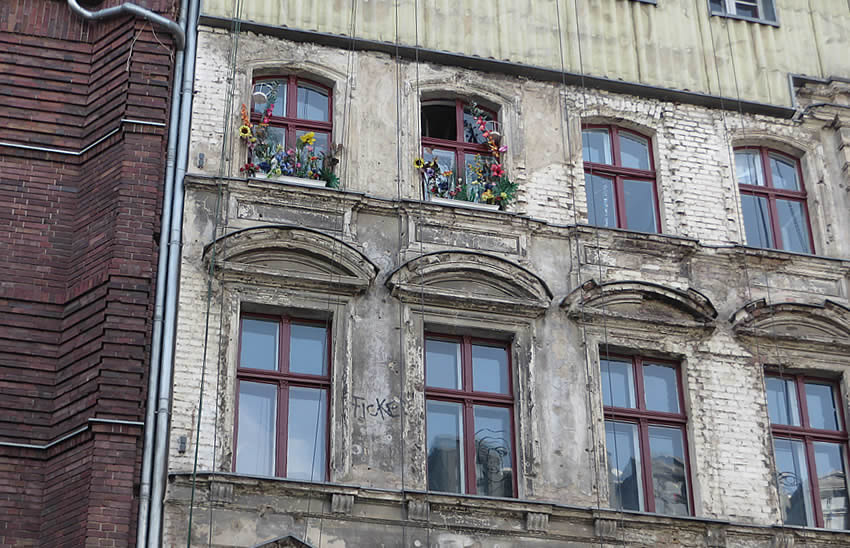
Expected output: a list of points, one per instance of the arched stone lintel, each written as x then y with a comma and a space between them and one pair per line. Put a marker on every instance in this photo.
291, 255
599, 296
828, 320
465, 279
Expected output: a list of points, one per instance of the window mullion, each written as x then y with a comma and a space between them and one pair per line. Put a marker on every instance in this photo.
646, 459
469, 446
813, 481
282, 430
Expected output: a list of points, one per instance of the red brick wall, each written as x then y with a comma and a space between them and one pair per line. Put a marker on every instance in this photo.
77, 264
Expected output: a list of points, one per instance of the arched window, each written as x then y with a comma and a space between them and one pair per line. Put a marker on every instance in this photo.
292, 112
461, 137
619, 178
773, 200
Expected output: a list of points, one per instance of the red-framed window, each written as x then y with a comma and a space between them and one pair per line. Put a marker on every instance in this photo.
283, 386
619, 178
645, 435
810, 450
298, 105
451, 135
773, 200
469, 416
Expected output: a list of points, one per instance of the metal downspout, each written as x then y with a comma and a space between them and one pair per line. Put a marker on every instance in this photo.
160, 458
162, 263
131, 9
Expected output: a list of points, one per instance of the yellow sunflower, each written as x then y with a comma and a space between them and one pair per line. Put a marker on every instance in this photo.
244, 132
308, 138
418, 163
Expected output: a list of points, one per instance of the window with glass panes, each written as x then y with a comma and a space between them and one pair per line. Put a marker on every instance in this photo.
619, 179
298, 106
810, 450
469, 416
645, 436
283, 384
451, 135
773, 200
755, 9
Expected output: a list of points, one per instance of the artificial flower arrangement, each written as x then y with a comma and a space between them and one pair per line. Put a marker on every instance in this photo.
274, 159
489, 185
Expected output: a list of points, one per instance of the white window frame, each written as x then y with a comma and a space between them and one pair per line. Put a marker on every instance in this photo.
730, 9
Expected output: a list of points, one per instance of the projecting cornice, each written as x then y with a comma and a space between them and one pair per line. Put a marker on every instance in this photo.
826, 323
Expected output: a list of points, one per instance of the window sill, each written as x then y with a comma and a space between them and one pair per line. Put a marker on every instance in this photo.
748, 19
462, 203
287, 179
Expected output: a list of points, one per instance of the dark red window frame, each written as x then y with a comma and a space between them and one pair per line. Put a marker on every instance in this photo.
469, 398
620, 173
809, 435
283, 379
459, 145
645, 418
291, 122
771, 193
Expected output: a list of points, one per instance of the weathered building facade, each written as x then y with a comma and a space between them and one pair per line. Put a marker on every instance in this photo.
649, 345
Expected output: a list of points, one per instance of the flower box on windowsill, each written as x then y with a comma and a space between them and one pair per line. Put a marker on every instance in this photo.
462, 203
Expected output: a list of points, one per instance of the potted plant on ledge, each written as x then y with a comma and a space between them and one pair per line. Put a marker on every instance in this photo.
303, 163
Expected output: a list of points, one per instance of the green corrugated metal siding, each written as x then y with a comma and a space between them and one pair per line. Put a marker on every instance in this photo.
672, 44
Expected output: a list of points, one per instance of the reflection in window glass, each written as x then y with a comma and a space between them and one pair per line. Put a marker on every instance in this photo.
821, 407
471, 132
793, 478
793, 226
442, 364
446, 169
596, 146
601, 208
634, 151
624, 467
493, 451
782, 401
255, 448
832, 484
640, 206
618, 384
669, 480
661, 388
489, 369
784, 173
305, 449
308, 349
312, 103
270, 93
756, 221
445, 450
259, 344
748, 168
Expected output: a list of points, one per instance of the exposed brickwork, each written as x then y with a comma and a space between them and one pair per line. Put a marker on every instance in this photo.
78, 240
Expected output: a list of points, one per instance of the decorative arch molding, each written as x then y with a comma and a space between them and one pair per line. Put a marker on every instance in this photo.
465, 87
645, 302
470, 280
324, 74
828, 322
629, 121
792, 146
294, 257
286, 541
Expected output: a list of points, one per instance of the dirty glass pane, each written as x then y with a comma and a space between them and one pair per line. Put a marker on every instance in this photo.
257, 433
493, 453
442, 364
634, 151
718, 6
661, 388
640, 206
312, 103
756, 221
669, 478
782, 401
308, 349
832, 484
624, 468
445, 446
748, 168
439, 121
489, 369
795, 497
596, 146
471, 132
258, 348
270, 93
601, 206
820, 401
793, 226
618, 383
306, 441
768, 11
784, 173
